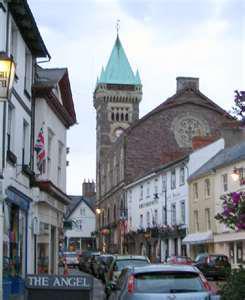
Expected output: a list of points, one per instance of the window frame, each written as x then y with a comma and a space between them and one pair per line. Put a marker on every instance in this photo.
173, 179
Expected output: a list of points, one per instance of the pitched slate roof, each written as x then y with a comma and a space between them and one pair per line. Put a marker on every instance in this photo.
46, 81
75, 202
26, 23
118, 69
223, 158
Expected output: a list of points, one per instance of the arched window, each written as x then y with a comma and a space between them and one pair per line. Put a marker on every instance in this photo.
112, 116
122, 117
117, 117
126, 117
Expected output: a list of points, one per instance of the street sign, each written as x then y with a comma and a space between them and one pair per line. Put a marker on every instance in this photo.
50, 287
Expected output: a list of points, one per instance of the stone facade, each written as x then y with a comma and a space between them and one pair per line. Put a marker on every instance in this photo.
163, 135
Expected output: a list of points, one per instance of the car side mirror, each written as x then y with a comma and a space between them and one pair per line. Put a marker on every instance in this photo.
114, 286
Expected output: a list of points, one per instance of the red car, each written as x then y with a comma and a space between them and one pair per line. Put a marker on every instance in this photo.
179, 260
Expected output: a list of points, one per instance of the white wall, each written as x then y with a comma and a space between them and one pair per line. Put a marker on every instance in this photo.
174, 196
87, 222
46, 118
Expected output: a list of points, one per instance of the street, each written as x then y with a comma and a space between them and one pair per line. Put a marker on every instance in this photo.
98, 289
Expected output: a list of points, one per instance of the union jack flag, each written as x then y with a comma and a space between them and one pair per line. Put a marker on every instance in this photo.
40, 150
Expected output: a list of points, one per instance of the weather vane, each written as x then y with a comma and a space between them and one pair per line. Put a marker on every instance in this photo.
118, 25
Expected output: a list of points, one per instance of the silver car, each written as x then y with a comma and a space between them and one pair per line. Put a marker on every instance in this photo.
162, 282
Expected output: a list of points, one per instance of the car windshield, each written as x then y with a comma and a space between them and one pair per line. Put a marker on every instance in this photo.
122, 264
70, 254
168, 282
107, 259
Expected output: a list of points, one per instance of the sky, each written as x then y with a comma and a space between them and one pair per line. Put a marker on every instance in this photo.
164, 39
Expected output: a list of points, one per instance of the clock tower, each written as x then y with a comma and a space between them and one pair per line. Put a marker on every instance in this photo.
117, 95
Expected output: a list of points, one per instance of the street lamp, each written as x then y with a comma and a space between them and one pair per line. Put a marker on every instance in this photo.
98, 211
7, 71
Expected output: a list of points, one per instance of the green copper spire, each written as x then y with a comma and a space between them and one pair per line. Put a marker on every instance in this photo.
118, 69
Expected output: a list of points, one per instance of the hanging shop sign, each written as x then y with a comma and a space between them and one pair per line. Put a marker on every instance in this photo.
39, 287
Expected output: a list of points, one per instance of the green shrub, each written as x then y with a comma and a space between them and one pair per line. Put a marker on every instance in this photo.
234, 288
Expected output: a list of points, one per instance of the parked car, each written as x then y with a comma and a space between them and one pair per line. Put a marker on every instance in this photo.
71, 259
162, 282
85, 261
213, 265
91, 262
121, 262
179, 260
101, 265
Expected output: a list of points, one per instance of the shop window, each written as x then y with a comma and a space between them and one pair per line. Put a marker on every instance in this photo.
17, 241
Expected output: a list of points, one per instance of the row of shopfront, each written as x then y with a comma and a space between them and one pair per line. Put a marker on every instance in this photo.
159, 243
32, 236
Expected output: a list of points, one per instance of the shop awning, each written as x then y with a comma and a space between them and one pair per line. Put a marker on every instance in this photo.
198, 238
18, 198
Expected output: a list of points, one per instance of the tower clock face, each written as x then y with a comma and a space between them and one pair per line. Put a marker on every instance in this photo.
118, 132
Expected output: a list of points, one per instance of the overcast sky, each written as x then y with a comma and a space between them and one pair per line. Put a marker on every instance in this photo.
162, 38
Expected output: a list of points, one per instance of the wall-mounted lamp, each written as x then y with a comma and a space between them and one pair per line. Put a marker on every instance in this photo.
7, 71
235, 175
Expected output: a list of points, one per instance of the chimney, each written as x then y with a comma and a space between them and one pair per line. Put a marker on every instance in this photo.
187, 83
202, 141
88, 188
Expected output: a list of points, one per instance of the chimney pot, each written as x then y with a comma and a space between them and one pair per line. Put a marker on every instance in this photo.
187, 83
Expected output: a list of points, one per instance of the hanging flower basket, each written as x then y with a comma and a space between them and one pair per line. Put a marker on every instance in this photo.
233, 211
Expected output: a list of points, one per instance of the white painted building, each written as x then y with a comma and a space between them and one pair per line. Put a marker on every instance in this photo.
31, 217
54, 114
147, 198
22, 40
81, 215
